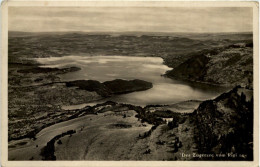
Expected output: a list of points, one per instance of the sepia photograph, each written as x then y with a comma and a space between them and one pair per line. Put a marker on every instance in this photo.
131, 82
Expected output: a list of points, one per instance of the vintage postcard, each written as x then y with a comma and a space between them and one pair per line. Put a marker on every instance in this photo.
123, 83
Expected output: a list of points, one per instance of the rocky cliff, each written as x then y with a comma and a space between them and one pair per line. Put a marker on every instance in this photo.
225, 125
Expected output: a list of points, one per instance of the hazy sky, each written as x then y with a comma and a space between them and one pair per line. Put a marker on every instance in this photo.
119, 19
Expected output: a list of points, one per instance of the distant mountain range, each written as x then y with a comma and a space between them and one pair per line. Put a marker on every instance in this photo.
133, 33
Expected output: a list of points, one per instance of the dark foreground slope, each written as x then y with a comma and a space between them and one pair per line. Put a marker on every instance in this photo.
225, 125
232, 65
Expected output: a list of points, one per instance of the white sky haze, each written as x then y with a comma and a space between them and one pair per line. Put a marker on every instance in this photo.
124, 19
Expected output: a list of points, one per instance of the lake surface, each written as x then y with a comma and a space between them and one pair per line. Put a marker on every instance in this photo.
106, 68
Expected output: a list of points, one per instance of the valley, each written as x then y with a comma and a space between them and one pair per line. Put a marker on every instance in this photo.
137, 97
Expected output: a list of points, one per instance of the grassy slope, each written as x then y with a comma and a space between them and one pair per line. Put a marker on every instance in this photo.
222, 125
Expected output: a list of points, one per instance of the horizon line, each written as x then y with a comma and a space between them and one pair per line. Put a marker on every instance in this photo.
129, 32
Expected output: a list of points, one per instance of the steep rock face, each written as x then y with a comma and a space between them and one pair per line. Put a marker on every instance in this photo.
109, 88
230, 66
192, 69
225, 124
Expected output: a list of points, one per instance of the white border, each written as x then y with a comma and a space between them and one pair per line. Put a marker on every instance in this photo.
82, 3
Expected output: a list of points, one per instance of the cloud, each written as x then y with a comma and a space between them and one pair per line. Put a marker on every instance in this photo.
153, 19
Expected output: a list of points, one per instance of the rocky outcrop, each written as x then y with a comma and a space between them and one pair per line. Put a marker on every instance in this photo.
225, 125
227, 66
192, 69
109, 88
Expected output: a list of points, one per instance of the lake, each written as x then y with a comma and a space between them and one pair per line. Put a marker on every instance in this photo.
106, 68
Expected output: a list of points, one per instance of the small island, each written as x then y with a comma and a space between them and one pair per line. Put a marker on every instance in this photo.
108, 88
